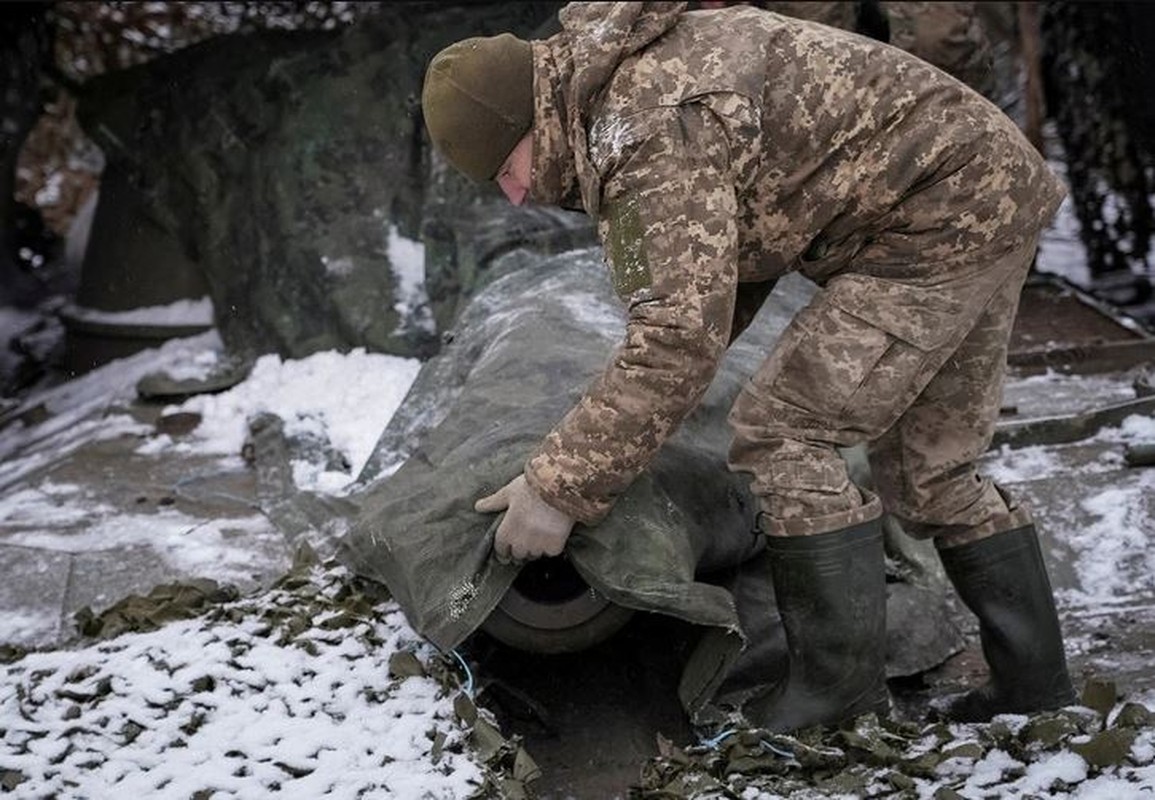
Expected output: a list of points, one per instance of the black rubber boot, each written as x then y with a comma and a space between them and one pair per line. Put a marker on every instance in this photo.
1003, 581
831, 592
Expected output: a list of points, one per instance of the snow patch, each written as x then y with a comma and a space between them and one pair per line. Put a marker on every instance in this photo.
230, 709
407, 259
46, 505
1114, 556
27, 629
346, 399
186, 544
178, 313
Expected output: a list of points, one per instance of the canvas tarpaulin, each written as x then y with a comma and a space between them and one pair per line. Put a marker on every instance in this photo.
520, 355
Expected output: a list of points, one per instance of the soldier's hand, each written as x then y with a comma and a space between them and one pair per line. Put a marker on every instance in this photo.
531, 529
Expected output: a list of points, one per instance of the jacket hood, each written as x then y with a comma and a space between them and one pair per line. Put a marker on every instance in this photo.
570, 71
555, 180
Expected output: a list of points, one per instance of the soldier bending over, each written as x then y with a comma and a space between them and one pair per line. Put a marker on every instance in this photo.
719, 150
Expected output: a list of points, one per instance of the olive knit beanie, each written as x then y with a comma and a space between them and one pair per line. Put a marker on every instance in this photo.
478, 101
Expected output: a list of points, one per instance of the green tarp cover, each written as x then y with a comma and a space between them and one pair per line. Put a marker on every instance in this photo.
520, 355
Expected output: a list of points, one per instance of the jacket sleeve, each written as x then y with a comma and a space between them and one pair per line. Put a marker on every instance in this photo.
668, 226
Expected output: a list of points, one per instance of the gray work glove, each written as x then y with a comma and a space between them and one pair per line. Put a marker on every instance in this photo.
531, 529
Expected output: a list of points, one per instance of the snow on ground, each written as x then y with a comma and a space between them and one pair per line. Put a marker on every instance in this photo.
294, 693
75, 407
67, 523
346, 398
239, 703
231, 705
1113, 556
343, 398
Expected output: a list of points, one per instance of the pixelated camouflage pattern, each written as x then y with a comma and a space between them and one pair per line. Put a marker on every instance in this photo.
751, 145
950, 36
916, 374
554, 169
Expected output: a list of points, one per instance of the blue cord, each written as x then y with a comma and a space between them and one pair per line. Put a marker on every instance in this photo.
776, 750
717, 740
713, 743
468, 673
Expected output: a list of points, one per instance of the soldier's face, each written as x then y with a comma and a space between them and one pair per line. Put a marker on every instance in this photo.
515, 174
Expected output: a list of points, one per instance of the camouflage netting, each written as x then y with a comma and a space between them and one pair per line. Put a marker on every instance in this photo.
1106, 744
224, 656
521, 354
1097, 62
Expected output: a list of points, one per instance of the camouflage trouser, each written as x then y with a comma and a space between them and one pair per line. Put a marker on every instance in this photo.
915, 371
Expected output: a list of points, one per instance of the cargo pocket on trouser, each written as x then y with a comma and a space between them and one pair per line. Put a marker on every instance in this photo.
846, 368
925, 465
871, 347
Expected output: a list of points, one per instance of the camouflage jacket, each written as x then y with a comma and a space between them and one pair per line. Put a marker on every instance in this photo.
721, 149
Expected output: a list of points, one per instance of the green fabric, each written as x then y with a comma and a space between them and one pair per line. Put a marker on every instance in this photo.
626, 246
678, 543
478, 101
522, 353
165, 603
